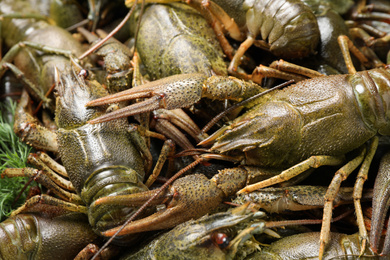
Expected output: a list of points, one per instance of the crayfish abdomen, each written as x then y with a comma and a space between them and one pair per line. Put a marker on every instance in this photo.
42, 236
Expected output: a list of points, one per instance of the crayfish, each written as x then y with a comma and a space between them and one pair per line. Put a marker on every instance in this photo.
312, 123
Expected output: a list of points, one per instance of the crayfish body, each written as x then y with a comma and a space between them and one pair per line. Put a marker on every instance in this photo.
38, 236
101, 160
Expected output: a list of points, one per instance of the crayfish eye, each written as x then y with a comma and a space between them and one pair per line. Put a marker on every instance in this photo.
84, 73
220, 239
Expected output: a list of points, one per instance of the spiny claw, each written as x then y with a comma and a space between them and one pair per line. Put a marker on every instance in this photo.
380, 206
164, 93
191, 197
177, 91
141, 107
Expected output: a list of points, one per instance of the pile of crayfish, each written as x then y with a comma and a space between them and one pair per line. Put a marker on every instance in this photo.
221, 129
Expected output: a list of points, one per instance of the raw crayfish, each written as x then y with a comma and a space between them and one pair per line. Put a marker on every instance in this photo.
312, 123
289, 26
99, 160
224, 235
46, 234
306, 246
27, 38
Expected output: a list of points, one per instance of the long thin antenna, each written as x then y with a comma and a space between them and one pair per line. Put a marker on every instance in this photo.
120, 25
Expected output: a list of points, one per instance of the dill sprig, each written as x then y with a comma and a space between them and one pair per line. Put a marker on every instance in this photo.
13, 154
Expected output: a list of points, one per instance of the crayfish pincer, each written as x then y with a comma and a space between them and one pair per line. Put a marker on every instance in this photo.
189, 197
312, 123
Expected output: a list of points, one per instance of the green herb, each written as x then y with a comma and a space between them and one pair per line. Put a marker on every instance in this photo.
13, 154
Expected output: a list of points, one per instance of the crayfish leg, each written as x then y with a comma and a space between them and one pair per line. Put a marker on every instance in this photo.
312, 162
331, 194
91, 250
44, 199
297, 198
358, 190
42, 178
380, 206
240, 52
283, 70
296, 69
48, 167
260, 72
346, 45
49, 175
167, 151
30, 130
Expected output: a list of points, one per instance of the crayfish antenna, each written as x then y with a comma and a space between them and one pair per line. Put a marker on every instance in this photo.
120, 25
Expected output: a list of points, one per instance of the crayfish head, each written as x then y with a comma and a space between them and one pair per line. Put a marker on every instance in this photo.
74, 90
223, 235
269, 131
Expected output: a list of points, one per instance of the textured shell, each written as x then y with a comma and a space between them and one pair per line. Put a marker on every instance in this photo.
312, 117
185, 42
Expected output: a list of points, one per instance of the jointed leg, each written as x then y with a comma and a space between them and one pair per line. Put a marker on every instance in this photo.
5, 64
358, 190
331, 194
166, 151
312, 162
30, 130
48, 200
283, 70
35, 160
40, 177
51, 180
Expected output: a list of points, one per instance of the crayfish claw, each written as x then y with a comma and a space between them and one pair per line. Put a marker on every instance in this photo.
141, 107
164, 93
118, 97
160, 220
191, 197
